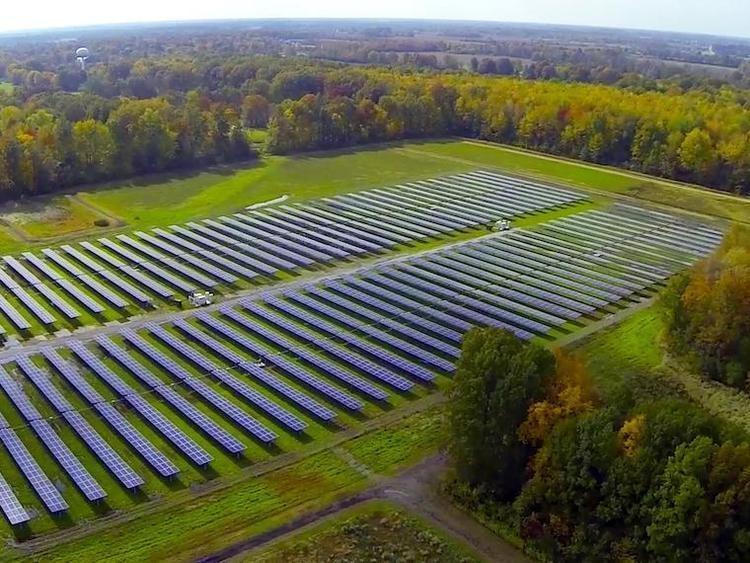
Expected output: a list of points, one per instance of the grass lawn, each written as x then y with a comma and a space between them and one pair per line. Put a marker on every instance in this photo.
6, 87
404, 443
373, 531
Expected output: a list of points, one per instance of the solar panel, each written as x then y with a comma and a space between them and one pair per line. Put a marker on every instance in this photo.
106, 256
152, 268
341, 225
378, 352
390, 323
117, 421
66, 265
303, 353
332, 236
260, 373
90, 488
401, 226
368, 224
353, 359
290, 368
284, 236
148, 282
176, 436
39, 481
92, 265
189, 258
22, 270
199, 387
255, 264
177, 401
474, 315
127, 287
83, 298
208, 254
39, 312
430, 216
72, 466
394, 311
219, 232
236, 385
63, 306
414, 220
376, 333
10, 504
42, 266
157, 256
394, 291
111, 459
270, 248
15, 317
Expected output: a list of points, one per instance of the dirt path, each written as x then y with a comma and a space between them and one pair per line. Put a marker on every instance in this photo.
416, 490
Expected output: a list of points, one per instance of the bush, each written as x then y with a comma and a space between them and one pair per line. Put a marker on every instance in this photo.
102, 222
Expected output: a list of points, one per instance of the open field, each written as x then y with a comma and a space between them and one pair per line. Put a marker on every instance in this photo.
372, 531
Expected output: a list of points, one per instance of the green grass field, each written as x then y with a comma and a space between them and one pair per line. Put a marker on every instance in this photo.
369, 532
165, 199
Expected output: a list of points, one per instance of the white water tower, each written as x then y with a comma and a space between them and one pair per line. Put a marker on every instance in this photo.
82, 53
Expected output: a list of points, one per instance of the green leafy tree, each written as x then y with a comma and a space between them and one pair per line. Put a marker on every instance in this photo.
497, 377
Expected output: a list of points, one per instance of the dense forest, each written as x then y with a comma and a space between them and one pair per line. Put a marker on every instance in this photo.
640, 478
160, 104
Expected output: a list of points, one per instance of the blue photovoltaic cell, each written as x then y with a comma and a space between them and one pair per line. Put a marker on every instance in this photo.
111, 459
40, 312
92, 265
246, 273
392, 310
333, 236
380, 335
147, 265
239, 387
125, 286
378, 352
303, 353
82, 297
343, 225
222, 233
410, 221
355, 360
380, 220
161, 258
270, 249
365, 226
260, 373
117, 421
281, 362
185, 444
392, 290
177, 401
199, 387
42, 266
188, 257
473, 315
390, 323
350, 290
10, 504
15, 317
493, 305
217, 247
285, 234
51, 498
59, 450
101, 253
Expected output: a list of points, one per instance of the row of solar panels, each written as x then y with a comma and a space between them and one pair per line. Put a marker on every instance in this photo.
335, 344
136, 269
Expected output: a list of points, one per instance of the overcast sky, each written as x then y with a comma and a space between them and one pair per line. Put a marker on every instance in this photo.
721, 17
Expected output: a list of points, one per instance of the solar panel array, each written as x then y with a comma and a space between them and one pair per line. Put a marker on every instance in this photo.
132, 272
283, 360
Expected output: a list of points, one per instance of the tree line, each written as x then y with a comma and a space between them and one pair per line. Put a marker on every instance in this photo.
636, 479
707, 312
65, 126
